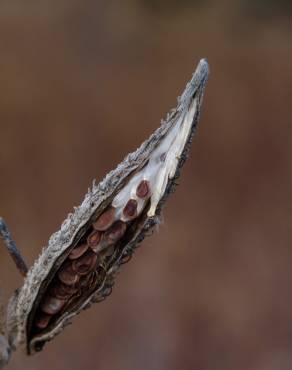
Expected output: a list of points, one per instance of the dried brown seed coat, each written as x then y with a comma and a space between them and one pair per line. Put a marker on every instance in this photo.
78, 251
130, 209
105, 220
94, 238
85, 263
115, 232
143, 189
42, 320
67, 275
52, 305
87, 280
62, 291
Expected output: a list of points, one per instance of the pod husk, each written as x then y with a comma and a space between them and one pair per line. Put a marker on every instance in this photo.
22, 303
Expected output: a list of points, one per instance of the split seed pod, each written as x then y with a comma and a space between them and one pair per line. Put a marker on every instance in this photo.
123, 208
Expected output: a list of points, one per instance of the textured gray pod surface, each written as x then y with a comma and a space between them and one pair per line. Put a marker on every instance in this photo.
171, 141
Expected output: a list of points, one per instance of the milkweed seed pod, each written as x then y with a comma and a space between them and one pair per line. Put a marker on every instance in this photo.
79, 265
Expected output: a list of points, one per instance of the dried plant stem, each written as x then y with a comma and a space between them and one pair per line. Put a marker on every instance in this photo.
12, 248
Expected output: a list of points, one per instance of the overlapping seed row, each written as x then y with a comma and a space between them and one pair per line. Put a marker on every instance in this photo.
82, 263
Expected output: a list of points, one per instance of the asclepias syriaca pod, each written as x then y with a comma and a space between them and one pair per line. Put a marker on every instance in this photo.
79, 265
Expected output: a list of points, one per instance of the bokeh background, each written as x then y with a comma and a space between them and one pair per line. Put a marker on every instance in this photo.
84, 82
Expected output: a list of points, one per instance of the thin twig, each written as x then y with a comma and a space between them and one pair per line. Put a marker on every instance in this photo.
12, 248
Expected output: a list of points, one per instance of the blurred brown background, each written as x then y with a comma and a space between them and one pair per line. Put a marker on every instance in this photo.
84, 82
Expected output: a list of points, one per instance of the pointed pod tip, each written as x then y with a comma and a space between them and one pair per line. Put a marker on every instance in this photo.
203, 63
196, 85
202, 71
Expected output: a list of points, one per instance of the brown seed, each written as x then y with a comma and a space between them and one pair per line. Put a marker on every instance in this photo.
130, 209
143, 189
96, 248
42, 320
85, 263
67, 275
94, 238
101, 245
78, 251
105, 220
115, 232
52, 305
87, 280
62, 291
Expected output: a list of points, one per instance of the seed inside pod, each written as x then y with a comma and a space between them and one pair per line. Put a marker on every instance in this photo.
94, 238
87, 280
148, 162
143, 189
78, 251
115, 232
85, 263
130, 210
105, 220
52, 305
67, 275
62, 291
42, 320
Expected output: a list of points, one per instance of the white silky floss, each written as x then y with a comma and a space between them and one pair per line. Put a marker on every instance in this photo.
160, 168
